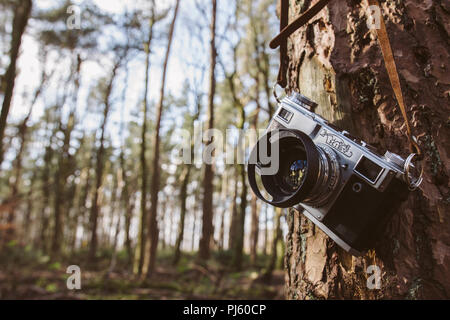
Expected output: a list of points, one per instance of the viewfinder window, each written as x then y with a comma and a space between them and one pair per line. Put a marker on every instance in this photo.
285, 115
368, 169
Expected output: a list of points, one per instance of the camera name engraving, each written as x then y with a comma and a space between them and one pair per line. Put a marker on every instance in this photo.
337, 143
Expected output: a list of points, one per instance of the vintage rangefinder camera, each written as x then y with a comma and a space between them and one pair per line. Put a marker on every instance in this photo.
338, 181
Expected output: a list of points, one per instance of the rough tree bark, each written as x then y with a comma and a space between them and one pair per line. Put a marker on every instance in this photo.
337, 61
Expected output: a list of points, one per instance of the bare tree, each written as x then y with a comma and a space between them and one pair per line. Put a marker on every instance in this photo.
22, 10
139, 257
208, 185
100, 163
152, 236
185, 178
18, 162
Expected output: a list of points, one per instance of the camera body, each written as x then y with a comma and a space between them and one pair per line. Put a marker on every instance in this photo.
338, 181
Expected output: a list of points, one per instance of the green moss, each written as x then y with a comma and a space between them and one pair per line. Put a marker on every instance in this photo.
367, 86
433, 154
396, 246
414, 289
303, 247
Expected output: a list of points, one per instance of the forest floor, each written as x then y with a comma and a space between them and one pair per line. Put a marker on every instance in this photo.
25, 274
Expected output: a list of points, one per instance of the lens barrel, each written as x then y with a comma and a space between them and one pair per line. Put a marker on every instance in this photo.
306, 173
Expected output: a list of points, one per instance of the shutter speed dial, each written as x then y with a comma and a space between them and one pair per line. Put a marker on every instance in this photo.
395, 159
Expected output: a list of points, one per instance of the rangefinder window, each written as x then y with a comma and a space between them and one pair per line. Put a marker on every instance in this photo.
285, 115
368, 169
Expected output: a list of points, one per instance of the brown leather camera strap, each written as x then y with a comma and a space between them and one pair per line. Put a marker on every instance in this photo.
383, 39
389, 62
284, 59
287, 29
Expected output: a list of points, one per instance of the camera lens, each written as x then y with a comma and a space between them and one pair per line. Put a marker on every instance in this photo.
297, 170
306, 172
295, 152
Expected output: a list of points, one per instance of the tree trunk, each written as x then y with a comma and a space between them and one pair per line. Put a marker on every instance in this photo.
266, 231
185, 176
152, 236
223, 201
254, 232
46, 180
140, 249
194, 227
183, 196
22, 12
16, 179
100, 166
22, 134
208, 185
115, 239
60, 187
234, 212
27, 221
337, 62
113, 206
238, 243
126, 199
162, 235
84, 210
274, 245
64, 160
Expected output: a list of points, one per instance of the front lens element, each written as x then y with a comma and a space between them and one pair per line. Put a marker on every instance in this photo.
296, 174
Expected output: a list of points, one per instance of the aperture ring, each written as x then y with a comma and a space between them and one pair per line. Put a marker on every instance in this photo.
325, 188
